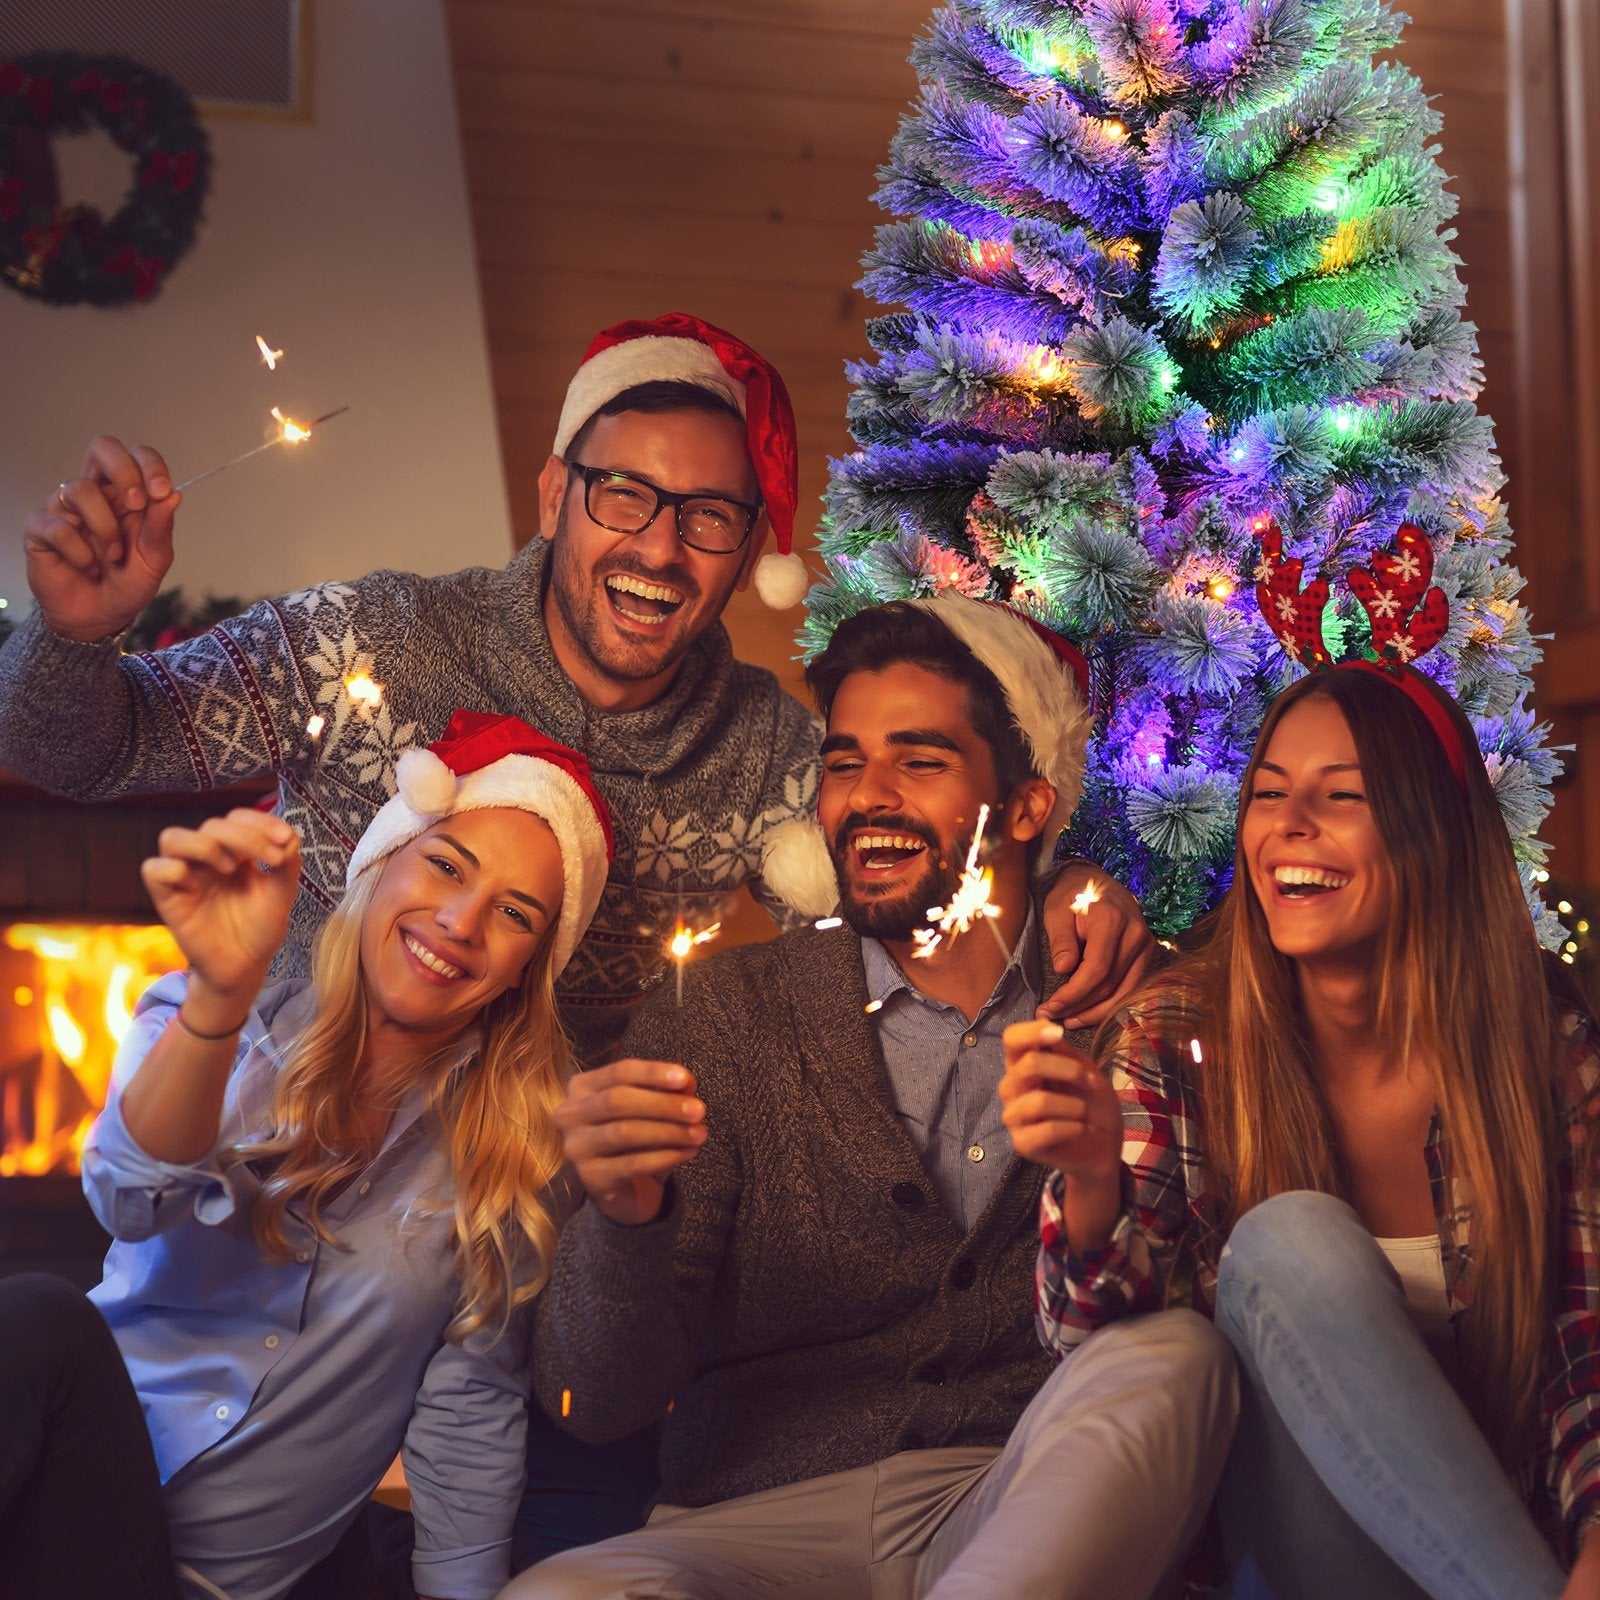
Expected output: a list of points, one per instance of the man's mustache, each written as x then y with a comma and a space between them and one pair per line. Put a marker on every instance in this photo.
674, 577
857, 821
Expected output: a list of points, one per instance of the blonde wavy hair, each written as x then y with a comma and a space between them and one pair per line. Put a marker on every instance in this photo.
494, 1115
1461, 986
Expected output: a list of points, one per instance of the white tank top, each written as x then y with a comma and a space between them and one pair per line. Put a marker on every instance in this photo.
1420, 1264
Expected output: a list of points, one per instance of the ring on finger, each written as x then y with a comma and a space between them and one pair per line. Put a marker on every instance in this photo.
61, 495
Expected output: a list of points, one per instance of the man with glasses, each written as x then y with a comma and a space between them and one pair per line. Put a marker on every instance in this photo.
674, 455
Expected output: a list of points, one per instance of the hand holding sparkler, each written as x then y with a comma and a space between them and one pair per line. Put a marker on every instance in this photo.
624, 1127
1063, 1113
100, 546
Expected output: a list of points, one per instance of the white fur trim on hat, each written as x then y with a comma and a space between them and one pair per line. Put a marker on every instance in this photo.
652, 358
781, 581
428, 791
1041, 692
796, 866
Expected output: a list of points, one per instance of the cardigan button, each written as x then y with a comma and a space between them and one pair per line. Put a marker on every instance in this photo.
963, 1275
906, 1195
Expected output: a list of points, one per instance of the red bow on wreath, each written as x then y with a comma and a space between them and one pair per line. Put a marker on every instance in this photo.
182, 168
146, 270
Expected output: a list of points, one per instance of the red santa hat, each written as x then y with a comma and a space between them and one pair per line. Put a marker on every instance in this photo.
486, 761
679, 348
1045, 681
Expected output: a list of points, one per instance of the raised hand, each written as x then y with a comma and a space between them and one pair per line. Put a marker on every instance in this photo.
1059, 1107
99, 547
225, 890
624, 1127
1105, 949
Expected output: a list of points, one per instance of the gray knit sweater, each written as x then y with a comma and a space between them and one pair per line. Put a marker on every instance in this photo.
807, 1304
693, 780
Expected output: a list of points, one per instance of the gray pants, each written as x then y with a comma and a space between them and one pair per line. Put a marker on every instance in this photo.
1096, 1495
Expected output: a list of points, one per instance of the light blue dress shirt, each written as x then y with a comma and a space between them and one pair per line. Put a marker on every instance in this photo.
944, 1072
277, 1395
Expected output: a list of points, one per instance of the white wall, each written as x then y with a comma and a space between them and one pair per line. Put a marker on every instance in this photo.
346, 240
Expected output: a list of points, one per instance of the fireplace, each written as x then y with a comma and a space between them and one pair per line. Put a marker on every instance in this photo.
78, 945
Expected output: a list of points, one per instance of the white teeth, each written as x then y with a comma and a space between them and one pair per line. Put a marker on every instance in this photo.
1318, 877
430, 960
888, 841
627, 584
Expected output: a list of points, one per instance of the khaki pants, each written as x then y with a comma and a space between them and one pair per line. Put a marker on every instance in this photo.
1096, 1496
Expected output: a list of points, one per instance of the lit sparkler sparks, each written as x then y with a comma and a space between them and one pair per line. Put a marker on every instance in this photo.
315, 724
289, 432
363, 690
969, 904
681, 946
1194, 1050
1087, 896
824, 923
269, 357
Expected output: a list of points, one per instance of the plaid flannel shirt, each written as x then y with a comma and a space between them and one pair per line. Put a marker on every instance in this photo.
1166, 1245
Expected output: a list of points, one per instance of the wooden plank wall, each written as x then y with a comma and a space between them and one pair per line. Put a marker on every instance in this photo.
627, 157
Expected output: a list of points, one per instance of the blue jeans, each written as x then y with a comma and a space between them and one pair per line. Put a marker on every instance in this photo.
1356, 1469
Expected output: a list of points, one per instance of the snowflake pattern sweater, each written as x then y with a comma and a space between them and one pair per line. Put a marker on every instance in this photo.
693, 780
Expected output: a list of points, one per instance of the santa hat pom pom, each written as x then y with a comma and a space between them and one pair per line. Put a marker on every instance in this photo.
425, 783
781, 581
796, 866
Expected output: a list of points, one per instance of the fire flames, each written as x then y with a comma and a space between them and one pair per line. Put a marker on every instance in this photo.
72, 990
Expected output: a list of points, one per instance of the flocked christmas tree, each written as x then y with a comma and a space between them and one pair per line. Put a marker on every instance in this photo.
1173, 271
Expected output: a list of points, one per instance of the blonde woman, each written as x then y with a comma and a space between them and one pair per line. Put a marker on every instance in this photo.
331, 1201
1358, 1129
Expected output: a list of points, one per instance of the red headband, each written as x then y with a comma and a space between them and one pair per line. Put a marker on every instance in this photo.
1414, 687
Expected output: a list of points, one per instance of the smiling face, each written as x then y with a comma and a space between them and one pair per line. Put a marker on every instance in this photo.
903, 776
455, 918
1318, 865
622, 608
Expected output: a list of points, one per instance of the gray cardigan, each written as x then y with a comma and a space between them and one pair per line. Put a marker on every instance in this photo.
806, 1304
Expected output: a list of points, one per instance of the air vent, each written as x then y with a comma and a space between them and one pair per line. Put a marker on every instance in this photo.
230, 55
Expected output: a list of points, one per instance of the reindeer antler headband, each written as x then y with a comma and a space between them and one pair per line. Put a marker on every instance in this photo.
1408, 618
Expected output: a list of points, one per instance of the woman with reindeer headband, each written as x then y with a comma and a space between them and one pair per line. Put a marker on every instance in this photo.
1357, 1127
332, 1202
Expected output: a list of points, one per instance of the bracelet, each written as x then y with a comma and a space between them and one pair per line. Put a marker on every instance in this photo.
205, 1038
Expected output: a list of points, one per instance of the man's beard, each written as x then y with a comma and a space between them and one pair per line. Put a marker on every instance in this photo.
894, 916
578, 599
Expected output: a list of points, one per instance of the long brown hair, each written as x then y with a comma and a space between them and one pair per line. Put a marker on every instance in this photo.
1461, 986
494, 1114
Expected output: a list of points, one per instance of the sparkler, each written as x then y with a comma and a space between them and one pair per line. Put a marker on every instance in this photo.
969, 904
823, 923
1086, 897
681, 945
289, 432
363, 690
1194, 1050
270, 357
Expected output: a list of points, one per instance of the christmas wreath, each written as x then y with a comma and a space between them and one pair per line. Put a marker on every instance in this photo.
68, 253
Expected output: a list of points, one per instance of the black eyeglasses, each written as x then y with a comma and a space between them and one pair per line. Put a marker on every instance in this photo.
623, 503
